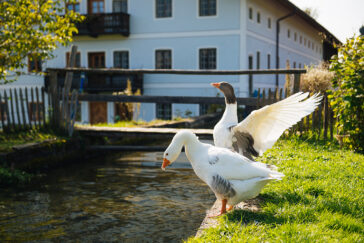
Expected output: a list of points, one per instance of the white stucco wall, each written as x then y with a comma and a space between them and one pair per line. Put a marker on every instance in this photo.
231, 32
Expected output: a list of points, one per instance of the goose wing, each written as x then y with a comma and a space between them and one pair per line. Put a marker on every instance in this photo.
233, 166
262, 128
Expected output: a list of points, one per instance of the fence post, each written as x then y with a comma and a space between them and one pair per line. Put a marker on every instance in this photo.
7, 110
55, 98
38, 107
12, 109
296, 84
43, 107
22, 108
28, 110
68, 84
17, 109
326, 116
2, 113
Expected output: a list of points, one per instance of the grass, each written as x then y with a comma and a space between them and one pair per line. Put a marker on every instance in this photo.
8, 140
321, 199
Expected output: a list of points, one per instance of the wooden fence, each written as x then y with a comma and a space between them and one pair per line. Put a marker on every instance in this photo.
23, 108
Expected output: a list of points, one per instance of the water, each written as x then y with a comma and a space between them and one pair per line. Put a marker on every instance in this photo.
116, 199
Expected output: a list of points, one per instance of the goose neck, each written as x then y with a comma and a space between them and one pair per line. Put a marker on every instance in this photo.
230, 113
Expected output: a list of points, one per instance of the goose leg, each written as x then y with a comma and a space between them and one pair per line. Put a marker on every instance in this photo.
223, 209
223, 206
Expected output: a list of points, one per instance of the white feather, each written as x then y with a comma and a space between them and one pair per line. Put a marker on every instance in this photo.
267, 124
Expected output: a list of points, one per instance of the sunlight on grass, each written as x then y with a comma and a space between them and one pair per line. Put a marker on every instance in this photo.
8, 140
320, 199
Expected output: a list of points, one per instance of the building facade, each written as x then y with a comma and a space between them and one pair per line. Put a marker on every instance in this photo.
189, 34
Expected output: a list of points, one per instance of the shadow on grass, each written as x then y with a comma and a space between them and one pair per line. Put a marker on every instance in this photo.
248, 217
278, 198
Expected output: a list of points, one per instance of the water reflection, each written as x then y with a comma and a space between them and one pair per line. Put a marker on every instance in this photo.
117, 199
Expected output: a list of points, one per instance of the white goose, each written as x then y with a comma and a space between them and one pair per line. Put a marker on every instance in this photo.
232, 177
262, 128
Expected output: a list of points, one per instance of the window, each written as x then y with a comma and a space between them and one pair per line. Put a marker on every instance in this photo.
207, 58
295, 36
35, 111
78, 59
121, 59
268, 61
163, 8
207, 7
73, 7
164, 111
96, 59
95, 6
294, 64
299, 65
300, 39
258, 59
163, 59
258, 17
269, 23
250, 13
120, 6
289, 33
34, 64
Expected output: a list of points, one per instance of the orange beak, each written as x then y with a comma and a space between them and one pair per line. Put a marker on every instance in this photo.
216, 85
166, 162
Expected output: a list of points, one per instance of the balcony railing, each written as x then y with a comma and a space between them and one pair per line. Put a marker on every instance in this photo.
104, 24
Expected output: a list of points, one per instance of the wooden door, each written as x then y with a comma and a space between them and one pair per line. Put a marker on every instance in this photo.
98, 112
95, 6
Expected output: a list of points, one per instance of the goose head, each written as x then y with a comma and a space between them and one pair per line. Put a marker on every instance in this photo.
227, 90
174, 149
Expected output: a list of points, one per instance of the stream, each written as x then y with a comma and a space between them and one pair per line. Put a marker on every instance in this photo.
117, 198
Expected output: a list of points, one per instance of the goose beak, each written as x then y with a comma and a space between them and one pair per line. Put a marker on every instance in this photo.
166, 162
216, 85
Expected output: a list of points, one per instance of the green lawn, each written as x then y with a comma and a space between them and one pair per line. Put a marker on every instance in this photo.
321, 199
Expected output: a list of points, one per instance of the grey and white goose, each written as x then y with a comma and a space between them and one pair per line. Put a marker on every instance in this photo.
262, 128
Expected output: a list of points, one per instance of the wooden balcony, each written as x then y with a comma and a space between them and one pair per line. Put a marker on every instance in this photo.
104, 24
100, 82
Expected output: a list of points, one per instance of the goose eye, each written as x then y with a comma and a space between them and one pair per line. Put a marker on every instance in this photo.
167, 154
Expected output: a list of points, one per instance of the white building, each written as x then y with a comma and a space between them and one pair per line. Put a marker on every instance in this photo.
188, 34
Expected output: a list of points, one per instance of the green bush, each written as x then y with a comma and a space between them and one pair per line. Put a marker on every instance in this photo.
347, 99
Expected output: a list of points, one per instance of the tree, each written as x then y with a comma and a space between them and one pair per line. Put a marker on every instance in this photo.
347, 99
312, 12
361, 30
32, 29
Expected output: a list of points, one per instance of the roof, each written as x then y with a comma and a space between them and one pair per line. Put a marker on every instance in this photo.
306, 17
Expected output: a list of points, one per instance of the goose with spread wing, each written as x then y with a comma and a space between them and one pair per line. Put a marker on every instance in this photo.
232, 177
262, 128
